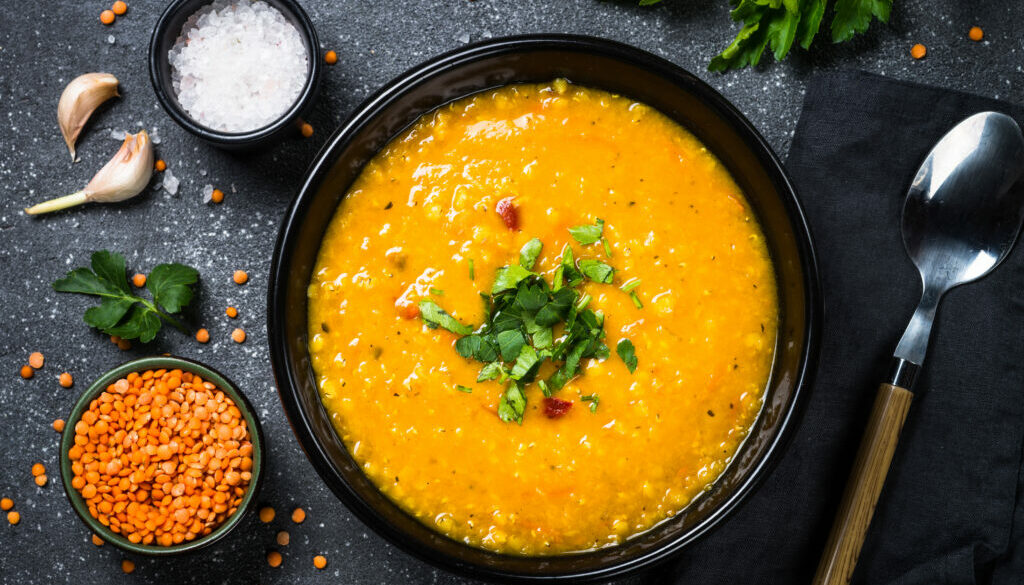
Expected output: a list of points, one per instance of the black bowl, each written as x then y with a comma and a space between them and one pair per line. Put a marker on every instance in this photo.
168, 28
591, 62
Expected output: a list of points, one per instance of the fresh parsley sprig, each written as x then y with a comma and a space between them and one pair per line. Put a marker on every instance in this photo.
121, 312
778, 24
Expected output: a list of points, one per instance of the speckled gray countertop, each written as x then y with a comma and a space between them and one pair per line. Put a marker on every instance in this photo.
45, 44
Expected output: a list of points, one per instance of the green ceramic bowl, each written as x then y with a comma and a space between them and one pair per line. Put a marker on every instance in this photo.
156, 363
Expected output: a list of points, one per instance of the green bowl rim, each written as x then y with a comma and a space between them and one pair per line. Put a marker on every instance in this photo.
155, 363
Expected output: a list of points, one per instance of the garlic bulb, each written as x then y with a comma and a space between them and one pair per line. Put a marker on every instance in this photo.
124, 177
80, 99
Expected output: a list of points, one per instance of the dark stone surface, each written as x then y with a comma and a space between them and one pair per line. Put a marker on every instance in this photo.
45, 44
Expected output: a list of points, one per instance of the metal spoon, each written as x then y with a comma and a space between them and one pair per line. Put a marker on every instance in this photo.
961, 218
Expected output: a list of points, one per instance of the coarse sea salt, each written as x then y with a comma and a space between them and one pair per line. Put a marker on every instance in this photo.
238, 66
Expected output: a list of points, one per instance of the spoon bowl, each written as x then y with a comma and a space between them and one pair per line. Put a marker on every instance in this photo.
962, 214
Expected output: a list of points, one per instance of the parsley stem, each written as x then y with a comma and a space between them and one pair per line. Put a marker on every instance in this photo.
152, 307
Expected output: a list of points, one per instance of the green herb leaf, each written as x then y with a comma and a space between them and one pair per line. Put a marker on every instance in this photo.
508, 277
570, 274
542, 338
436, 292
854, 16
636, 300
627, 352
588, 234
530, 252
526, 364
556, 310
491, 371
125, 314
593, 399
597, 271
513, 404
531, 298
811, 12
607, 247
472, 273
465, 389
629, 285
434, 316
510, 343
170, 285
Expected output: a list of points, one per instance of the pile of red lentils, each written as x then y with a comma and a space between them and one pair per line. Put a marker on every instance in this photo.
162, 457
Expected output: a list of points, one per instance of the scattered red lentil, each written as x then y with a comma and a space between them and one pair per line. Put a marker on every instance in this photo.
918, 51
160, 166
283, 538
38, 469
183, 471
66, 380
124, 344
127, 566
6, 504
97, 540
976, 34
217, 196
266, 514
298, 515
139, 280
115, 339
202, 336
231, 312
240, 277
238, 336
107, 17
35, 359
274, 558
41, 480
13, 517
58, 425
330, 57
306, 129
319, 561
27, 371
119, 8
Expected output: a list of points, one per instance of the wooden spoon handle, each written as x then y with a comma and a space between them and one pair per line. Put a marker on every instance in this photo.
865, 484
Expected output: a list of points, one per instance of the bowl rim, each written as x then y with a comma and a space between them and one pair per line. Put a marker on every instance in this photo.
300, 421
162, 362
165, 93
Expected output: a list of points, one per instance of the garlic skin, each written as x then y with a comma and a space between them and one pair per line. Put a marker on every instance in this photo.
79, 100
124, 177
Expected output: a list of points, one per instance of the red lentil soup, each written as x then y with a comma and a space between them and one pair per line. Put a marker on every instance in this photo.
423, 222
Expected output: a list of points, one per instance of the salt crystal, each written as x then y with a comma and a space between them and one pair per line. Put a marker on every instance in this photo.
207, 193
154, 135
117, 134
238, 66
233, 190
111, 39
464, 38
202, 172
170, 182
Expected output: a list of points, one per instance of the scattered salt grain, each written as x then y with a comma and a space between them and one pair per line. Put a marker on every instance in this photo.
110, 39
464, 38
207, 193
202, 172
238, 66
170, 182
117, 134
154, 135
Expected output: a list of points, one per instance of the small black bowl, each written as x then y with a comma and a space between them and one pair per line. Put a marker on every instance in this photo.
590, 62
167, 30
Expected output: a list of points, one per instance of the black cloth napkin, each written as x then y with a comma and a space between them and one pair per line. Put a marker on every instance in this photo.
952, 510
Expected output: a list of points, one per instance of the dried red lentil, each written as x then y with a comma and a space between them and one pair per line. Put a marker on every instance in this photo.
162, 457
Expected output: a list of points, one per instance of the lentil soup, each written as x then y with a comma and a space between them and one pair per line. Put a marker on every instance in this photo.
438, 212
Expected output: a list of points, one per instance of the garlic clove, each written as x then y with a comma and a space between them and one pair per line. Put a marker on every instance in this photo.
123, 177
79, 100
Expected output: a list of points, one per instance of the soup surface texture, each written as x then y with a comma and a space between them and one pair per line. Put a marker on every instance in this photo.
422, 222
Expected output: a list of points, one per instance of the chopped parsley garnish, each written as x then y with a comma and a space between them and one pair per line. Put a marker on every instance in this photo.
465, 389
529, 321
627, 352
593, 399
437, 292
472, 273
588, 234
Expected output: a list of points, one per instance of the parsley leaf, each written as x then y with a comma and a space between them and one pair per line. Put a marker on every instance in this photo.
593, 399
465, 389
508, 277
434, 316
121, 312
627, 352
513, 404
530, 252
511, 343
597, 271
854, 16
588, 234
526, 364
491, 371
